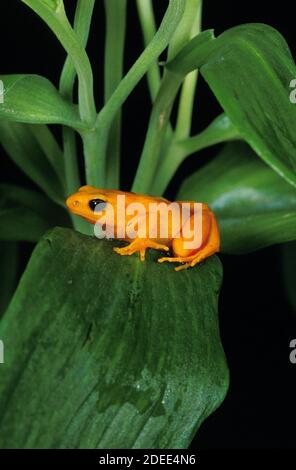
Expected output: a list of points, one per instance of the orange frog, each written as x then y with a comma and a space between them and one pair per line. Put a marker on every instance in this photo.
97, 206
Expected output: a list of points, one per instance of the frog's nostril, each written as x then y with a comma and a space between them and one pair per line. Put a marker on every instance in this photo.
72, 202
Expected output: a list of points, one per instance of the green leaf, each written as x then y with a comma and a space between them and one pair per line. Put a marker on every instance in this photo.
254, 206
249, 68
21, 144
50, 148
103, 351
8, 272
26, 215
33, 99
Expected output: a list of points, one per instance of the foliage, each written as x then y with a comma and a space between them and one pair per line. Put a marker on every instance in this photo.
250, 185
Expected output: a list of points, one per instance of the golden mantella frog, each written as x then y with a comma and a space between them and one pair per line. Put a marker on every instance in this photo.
95, 205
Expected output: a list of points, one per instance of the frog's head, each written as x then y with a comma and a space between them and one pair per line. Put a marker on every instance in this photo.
90, 203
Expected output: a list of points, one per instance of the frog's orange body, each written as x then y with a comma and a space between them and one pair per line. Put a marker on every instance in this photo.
83, 203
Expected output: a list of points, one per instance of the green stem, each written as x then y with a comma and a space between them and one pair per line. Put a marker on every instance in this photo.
82, 21
173, 156
147, 20
156, 134
55, 17
114, 53
146, 15
220, 130
72, 175
92, 142
97, 162
184, 117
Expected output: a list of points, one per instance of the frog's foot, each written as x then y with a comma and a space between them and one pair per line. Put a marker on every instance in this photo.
187, 260
141, 246
190, 261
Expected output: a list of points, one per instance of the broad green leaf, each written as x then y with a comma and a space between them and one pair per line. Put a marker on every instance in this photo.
8, 272
249, 68
22, 145
26, 215
33, 99
254, 206
103, 351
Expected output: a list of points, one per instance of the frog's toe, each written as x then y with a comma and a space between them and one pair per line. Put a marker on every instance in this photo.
183, 266
169, 260
122, 251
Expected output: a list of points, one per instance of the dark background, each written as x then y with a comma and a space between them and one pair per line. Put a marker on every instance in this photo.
256, 321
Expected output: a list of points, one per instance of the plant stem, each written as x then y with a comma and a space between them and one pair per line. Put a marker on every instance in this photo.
186, 102
97, 163
173, 156
220, 130
156, 133
55, 17
114, 52
92, 142
146, 16
82, 21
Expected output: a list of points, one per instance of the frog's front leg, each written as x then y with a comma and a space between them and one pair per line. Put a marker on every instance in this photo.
210, 244
140, 245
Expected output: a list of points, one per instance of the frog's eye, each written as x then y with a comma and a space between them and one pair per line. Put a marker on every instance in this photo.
95, 202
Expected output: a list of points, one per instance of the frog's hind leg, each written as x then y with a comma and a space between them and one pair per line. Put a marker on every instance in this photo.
140, 245
200, 256
210, 244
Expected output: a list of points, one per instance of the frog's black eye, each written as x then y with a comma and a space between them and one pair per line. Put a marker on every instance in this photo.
94, 203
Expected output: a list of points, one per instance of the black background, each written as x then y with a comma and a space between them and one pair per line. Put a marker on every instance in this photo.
256, 321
